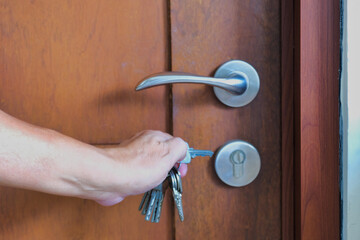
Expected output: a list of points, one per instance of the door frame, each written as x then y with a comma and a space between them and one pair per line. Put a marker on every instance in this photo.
310, 74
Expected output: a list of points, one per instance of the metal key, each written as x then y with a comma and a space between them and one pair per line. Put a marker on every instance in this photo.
193, 153
150, 201
200, 153
151, 205
144, 202
158, 206
176, 187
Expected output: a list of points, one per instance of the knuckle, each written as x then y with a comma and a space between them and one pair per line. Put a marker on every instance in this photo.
147, 132
156, 132
158, 148
154, 140
180, 142
164, 149
153, 133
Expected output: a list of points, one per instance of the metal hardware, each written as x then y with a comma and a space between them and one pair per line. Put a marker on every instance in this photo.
237, 158
236, 83
237, 163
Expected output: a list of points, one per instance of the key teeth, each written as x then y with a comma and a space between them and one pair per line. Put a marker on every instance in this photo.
151, 203
151, 206
145, 206
158, 212
143, 201
177, 199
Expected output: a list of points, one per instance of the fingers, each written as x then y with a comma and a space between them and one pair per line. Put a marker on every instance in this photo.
159, 144
177, 148
183, 170
110, 202
152, 133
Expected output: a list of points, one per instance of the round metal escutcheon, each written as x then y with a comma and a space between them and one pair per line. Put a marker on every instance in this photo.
237, 163
243, 70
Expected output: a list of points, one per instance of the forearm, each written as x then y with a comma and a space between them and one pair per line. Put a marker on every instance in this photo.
44, 160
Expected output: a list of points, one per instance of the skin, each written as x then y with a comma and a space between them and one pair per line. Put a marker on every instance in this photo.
44, 160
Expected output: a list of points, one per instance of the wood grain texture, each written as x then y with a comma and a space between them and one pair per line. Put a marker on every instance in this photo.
31, 215
317, 114
287, 119
73, 66
204, 35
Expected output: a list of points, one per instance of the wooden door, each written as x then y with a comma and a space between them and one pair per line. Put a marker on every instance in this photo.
206, 34
73, 65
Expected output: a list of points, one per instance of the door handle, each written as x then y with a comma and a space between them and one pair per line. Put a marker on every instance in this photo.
236, 83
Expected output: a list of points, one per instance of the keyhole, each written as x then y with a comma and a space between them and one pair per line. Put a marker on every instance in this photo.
237, 158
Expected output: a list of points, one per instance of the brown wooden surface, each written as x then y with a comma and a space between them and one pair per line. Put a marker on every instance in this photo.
73, 66
204, 35
317, 119
287, 118
28, 215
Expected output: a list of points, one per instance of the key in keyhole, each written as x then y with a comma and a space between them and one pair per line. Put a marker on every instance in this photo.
237, 158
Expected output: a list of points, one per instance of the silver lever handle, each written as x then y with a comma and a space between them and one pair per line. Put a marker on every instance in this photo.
236, 83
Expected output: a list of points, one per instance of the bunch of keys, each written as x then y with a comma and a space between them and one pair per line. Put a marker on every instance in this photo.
152, 200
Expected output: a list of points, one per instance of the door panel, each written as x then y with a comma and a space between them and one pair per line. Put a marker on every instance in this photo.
204, 35
31, 215
72, 66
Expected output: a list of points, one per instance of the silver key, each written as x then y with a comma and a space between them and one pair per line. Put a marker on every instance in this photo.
157, 213
176, 187
144, 202
200, 153
193, 153
156, 204
151, 205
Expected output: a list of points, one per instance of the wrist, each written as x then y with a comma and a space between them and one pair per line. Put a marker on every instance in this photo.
73, 168
93, 175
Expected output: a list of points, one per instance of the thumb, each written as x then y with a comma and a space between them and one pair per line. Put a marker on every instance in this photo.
110, 202
178, 149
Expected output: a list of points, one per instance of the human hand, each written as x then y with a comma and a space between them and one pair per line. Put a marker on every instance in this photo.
44, 160
143, 162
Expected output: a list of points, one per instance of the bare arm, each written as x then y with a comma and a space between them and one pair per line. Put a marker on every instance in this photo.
43, 160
